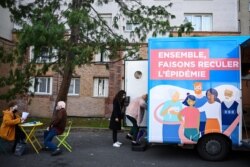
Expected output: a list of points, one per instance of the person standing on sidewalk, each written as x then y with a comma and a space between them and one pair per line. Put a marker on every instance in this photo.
116, 116
135, 113
56, 127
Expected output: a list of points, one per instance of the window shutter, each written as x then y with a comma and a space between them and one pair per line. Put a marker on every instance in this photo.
100, 87
106, 87
95, 87
106, 56
55, 55
77, 86
71, 87
50, 85
32, 87
98, 57
206, 23
31, 53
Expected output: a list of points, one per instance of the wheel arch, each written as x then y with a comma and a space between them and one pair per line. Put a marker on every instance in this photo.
229, 141
213, 154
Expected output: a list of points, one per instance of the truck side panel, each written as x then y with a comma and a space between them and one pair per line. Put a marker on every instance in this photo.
194, 88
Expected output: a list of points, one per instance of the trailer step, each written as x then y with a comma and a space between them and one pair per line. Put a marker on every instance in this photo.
246, 143
141, 147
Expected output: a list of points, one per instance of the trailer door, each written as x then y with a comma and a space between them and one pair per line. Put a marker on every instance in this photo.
136, 82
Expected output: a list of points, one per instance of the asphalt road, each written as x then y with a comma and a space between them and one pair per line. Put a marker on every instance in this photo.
93, 148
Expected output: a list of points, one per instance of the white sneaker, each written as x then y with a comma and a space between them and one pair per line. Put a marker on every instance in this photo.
119, 143
116, 144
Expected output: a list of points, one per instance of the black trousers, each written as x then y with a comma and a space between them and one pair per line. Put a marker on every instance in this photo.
19, 137
135, 128
114, 136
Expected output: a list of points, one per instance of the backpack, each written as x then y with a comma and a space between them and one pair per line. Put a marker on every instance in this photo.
20, 149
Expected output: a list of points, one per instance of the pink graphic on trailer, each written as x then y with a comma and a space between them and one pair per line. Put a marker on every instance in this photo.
187, 64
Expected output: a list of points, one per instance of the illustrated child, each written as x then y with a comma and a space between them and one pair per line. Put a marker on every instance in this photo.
191, 117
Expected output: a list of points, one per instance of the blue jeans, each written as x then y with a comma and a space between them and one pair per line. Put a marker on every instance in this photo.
48, 137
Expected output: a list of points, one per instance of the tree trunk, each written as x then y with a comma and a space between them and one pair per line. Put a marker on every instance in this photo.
64, 87
69, 64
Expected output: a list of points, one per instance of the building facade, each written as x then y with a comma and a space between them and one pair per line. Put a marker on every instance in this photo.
244, 17
244, 27
94, 86
6, 43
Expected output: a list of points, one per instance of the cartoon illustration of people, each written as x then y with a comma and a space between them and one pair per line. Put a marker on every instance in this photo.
212, 109
191, 119
200, 101
230, 116
171, 123
200, 98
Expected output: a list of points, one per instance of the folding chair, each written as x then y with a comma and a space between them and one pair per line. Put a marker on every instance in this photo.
63, 137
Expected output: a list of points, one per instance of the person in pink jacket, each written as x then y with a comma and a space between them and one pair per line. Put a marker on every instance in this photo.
134, 113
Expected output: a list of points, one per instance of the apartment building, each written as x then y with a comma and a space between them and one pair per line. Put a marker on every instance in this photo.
244, 17
93, 86
244, 28
209, 17
6, 42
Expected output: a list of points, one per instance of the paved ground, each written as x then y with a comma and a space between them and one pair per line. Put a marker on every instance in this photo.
93, 148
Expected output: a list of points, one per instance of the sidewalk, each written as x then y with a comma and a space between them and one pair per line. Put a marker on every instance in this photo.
93, 148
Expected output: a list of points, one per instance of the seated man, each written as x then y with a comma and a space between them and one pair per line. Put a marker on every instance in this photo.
10, 130
56, 127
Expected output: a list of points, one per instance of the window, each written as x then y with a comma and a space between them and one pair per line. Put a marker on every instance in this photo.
74, 88
41, 85
102, 56
130, 26
44, 56
200, 22
107, 18
123, 84
101, 87
130, 54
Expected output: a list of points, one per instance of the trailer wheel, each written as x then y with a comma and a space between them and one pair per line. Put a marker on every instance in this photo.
213, 147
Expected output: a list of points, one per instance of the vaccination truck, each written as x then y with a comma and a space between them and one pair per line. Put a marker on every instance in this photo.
197, 91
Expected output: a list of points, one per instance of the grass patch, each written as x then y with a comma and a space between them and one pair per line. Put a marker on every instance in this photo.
76, 121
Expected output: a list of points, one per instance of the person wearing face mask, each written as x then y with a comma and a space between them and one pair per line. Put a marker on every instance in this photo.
116, 116
10, 130
56, 127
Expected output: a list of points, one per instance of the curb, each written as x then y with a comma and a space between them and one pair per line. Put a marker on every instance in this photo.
82, 129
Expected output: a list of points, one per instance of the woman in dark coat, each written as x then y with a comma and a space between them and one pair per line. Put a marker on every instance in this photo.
116, 116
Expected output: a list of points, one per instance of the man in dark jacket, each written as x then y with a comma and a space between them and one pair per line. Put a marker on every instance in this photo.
56, 127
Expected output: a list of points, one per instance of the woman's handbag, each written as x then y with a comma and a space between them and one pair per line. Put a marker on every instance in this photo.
20, 148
